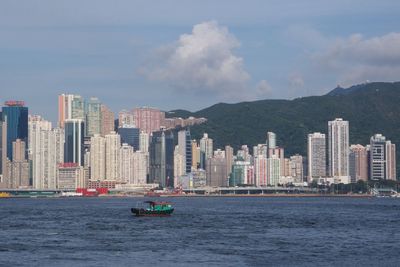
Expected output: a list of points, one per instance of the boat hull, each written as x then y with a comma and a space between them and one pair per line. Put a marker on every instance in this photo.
152, 213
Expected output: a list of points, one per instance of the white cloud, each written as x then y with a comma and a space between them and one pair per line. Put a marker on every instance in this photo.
356, 59
202, 61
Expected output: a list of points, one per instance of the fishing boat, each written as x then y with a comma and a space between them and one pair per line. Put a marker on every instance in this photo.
155, 209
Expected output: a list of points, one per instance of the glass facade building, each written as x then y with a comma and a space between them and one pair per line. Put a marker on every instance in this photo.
74, 141
16, 116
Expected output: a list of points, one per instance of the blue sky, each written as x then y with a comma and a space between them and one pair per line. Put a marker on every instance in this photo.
192, 54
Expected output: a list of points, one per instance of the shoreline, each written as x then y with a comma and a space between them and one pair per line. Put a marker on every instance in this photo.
208, 195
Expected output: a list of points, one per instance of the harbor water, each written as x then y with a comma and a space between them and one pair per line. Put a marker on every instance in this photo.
203, 231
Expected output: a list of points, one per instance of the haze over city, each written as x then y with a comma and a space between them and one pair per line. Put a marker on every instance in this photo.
186, 54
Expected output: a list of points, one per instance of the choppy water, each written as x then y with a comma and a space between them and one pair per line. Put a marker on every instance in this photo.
202, 232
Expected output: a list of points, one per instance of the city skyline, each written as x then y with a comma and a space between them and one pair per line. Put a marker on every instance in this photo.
284, 50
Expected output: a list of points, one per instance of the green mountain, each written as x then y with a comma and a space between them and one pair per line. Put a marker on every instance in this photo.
370, 108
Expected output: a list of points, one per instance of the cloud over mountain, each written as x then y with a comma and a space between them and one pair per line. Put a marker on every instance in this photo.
202, 61
357, 59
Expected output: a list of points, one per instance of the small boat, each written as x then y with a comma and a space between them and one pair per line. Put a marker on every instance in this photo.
155, 209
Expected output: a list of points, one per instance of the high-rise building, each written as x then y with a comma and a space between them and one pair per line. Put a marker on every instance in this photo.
130, 135
15, 114
229, 159
46, 149
382, 158
125, 117
242, 174
113, 144
70, 107
316, 154
206, 150
74, 138
140, 167
93, 117
271, 140
18, 168
260, 170
195, 155
216, 172
179, 165
107, 120
144, 140
162, 159
338, 150
126, 163
64, 108
274, 170
148, 119
185, 149
97, 158
296, 168
358, 163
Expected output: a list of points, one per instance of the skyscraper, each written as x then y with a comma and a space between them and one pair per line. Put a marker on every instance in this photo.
93, 117
148, 119
46, 145
162, 158
113, 144
316, 153
274, 170
216, 171
271, 140
129, 135
97, 158
144, 140
15, 114
358, 163
195, 155
70, 107
206, 150
107, 120
296, 168
74, 137
185, 149
382, 158
126, 163
140, 167
260, 170
18, 168
339, 150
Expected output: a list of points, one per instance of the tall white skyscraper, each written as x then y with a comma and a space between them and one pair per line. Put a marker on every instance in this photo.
339, 150
97, 158
140, 167
271, 140
46, 146
144, 142
316, 153
113, 144
126, 163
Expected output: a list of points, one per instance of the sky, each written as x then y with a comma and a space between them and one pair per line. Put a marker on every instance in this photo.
189, 55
